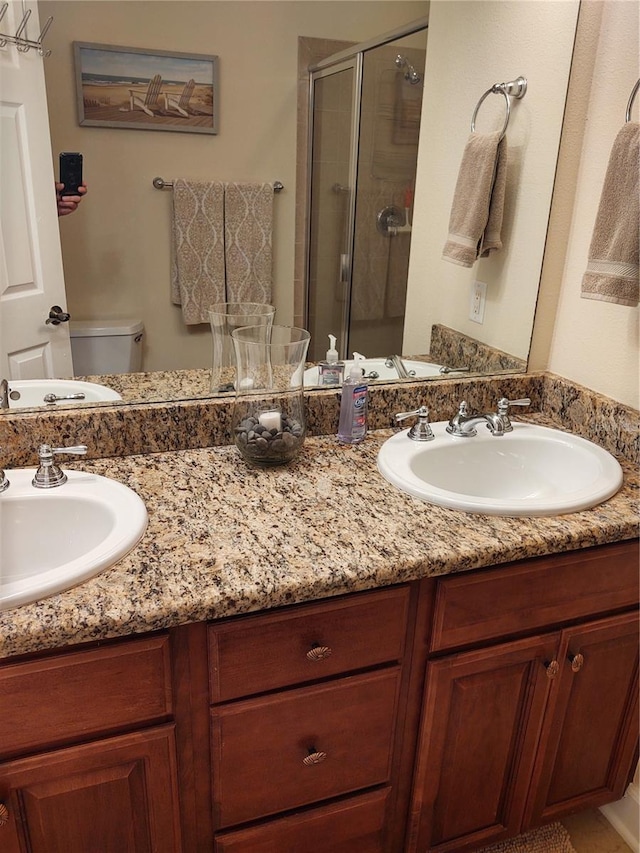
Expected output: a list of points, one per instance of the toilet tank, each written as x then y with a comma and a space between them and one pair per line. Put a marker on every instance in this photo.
106, 346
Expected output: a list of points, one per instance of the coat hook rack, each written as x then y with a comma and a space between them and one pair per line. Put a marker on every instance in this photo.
22, 43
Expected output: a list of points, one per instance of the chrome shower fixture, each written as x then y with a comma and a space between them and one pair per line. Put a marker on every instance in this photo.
410, 73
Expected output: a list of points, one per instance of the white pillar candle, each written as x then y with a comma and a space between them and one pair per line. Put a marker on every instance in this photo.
246, 384
271, 420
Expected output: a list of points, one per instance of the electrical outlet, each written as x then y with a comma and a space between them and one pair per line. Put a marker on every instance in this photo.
477, 302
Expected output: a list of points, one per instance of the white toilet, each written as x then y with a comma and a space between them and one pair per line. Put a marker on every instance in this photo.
100, 347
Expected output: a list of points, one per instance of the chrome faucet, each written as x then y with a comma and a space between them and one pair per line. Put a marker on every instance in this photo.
464, 424
420, 431
49, 474
4, 482
4, 394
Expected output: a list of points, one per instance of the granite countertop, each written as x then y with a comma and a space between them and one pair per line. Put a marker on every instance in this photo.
225, 539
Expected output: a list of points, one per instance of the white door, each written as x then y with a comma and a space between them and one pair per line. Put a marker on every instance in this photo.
31, 273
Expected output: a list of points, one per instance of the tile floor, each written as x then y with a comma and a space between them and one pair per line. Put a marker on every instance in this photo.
591, 833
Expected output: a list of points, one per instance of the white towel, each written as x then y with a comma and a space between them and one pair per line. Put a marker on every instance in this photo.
198, 264
478, 200
614, 253
248, 216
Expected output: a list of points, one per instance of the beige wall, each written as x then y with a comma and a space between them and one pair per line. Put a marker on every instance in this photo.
116, 250
471, 46
593, 343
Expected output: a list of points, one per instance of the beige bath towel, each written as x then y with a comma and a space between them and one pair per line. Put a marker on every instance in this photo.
614, 256
197, 268
475, 223
248, 214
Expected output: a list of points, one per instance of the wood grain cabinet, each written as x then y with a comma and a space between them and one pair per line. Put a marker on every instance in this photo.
76, 786
519, 730
433, 717
304, 725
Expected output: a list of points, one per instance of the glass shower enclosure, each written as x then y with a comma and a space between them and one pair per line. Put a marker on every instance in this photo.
365, 108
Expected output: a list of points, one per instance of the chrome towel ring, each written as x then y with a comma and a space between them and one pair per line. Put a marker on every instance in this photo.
634, 92
513, 89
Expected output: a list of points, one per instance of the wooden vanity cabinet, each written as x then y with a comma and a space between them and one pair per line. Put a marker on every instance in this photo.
307, 713
434, 717
530, 703
88, 753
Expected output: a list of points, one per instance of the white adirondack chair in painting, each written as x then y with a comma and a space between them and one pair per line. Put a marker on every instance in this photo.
180, 102
147, 98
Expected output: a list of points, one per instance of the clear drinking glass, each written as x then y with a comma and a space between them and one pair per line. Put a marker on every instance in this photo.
268, 420
224, 317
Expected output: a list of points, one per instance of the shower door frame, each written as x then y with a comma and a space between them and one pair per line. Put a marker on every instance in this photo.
352, 57
354, 63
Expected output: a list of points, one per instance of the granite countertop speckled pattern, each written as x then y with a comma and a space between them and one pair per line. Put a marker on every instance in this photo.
225, 539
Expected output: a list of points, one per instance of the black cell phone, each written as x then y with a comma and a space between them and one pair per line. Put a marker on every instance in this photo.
70, 172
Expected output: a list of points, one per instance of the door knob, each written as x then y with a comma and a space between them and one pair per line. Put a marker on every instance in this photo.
577, 662
57, 316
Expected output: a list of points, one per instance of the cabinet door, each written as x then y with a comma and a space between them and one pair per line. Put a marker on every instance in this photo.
117, 795
590, 734
481, 720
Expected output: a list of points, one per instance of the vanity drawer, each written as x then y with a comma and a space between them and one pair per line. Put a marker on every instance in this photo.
537, 593
354, 824
262, 747
82, 693
267, 652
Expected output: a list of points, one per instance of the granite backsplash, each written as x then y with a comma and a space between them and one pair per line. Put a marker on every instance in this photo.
126, 429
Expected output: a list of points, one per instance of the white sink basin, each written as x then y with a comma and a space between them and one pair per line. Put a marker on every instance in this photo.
415, 368
533, 470
53, 539
32, 392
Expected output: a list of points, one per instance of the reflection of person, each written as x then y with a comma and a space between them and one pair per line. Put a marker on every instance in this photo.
68, 203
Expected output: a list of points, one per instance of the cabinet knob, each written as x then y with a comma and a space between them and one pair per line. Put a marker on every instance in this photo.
4, 814
577, 662
552, 667
319, 653
314, 757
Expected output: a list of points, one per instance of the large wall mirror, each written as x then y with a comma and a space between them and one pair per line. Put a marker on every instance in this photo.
116, 248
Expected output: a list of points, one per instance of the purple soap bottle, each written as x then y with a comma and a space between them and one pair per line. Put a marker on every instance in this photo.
353, 406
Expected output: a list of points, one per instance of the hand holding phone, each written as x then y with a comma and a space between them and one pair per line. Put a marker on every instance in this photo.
70, 172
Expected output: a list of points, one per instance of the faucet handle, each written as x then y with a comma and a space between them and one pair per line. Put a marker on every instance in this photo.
421, 431
49, 474
503, 410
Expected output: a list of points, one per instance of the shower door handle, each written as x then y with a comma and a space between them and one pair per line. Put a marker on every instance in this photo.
345, 268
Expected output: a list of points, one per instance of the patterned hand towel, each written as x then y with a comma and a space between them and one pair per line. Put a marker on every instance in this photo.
197, 264
614, 256
478, 201
248, 215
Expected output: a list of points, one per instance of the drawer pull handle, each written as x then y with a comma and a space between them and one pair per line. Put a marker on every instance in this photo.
319, 653
4, 814
577, 662
552, 667
314, 757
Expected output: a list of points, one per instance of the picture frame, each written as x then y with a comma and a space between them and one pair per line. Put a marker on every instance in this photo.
136, 88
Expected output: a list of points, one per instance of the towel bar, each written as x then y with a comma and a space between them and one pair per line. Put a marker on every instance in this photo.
514, 88
632, 97
161, 184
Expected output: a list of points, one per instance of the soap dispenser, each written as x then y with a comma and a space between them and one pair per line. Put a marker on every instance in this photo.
353, 406
331, 371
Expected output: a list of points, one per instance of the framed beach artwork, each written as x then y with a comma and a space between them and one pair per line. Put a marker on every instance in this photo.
130, 87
